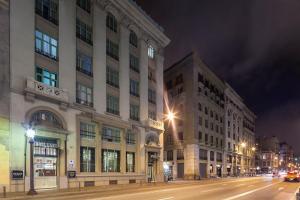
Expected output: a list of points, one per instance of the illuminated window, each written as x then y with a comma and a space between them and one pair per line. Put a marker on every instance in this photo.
151, 51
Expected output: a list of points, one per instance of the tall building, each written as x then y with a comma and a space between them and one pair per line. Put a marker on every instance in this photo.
87, 77
286, 156
196, 145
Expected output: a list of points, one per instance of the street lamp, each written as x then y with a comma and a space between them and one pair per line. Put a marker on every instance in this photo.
170, 116
30, 133
243, 144
253, 149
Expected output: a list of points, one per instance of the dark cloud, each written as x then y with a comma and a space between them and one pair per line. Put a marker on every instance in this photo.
254, 45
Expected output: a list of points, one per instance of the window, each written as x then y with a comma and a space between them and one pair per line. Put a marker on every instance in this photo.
200, 136
169, 140
152, 114
170, 155
151, 96
112, 104
151, 52
211, 140
112, 77
203, 154
211, 126
45, 45
111, 22
180, 136
112, 49
130, 137
111, 134
151, 75
217, 142
180, 154
47, 9
84, 95
199, 107
110, 160
87, 159
229, 146
133, 40
85, 5
44, 76
134, 88
212, 156
206, 123
45, 147
84, 63
219, 157
211, 114
87, 130
84, 32
134, 63
206, 110
134, 112
46, 118
130, 160
200, 121
206, 139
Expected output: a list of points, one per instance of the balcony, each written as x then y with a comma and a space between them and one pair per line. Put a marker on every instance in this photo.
44, 90
154, 124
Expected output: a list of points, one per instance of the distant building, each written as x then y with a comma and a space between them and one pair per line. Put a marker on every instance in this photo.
286, 156
212, 122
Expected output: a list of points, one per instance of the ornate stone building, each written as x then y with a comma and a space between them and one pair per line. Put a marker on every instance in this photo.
87, 77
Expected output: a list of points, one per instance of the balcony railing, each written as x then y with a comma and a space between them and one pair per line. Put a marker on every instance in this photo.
45, 90
154, 124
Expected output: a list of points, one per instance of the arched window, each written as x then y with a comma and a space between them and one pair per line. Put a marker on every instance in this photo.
111, 22
46, 118
133, 40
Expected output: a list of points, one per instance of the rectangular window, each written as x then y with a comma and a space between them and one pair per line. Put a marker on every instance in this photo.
134, 88
152, 114
212, 140
219, 157
87, 130
84, 32
46, 77
84, 63
180, 154
200, 121
112, 77
112, 104
111, 134
212, 156
130, 162
87, 159
134, 112
112, 49
203, 154
152, 96
151, 52
45, 147
110, 160
170, 155
206, 138
134, 63
85, 5
200, 135
47, 9
46, 45
130, 137
84, 95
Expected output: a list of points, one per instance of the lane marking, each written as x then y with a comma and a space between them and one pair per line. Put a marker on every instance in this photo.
167, 198
250, 186
250, 192
281, 188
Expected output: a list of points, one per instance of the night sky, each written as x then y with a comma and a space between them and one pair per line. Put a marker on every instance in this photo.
254, 45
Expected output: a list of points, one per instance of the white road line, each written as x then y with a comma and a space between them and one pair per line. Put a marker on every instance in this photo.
249, 192
250, 185
281, 188
167, 198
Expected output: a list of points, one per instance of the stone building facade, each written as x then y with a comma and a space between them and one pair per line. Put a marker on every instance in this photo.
87, 76
207, 109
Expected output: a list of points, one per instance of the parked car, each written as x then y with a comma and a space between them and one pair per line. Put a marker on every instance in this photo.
292, 176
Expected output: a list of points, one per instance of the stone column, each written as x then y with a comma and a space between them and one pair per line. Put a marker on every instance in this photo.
99, 59
191, 162
123, 151
124, 72
144, 80
159, 85
67, 47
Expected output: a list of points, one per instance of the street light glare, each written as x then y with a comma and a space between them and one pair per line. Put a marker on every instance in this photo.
30, 133
243, 144
170, 116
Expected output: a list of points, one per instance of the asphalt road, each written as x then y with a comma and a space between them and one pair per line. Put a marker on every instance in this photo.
256, 188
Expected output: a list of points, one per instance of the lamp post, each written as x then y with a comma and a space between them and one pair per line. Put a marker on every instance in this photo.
30, 134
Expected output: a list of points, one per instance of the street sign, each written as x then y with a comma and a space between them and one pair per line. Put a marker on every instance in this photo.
71, 174
17, 174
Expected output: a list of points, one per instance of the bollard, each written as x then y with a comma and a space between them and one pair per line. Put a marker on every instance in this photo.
4, 191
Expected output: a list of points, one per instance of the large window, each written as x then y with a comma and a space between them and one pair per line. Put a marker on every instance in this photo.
152, 114
112, 49
170, 155
130, 137
84, 31
110, 160
133, 40
84, 95
112, 77
45, 147
45, 76
84, 63
134, 88
203, 154
45, 45
151, 52
47, 9
180, 154
212, 156
134, 63
112, 104
111, 22
134, 112
111, 134
87, 159
87, 130
130, 162
85, 5
152, 96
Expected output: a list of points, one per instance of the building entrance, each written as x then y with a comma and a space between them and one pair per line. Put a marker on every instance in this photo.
151, 170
